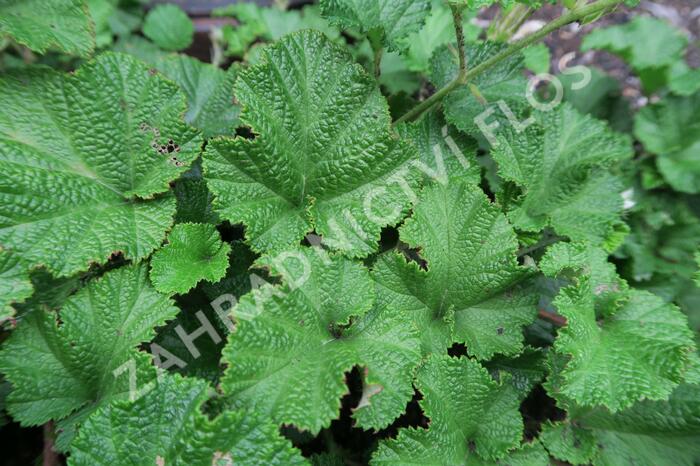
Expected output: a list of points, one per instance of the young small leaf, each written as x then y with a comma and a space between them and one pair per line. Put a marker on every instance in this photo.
194, 252
169, 27
637, 350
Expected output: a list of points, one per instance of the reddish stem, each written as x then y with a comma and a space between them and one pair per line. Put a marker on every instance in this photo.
556, 319
49, 454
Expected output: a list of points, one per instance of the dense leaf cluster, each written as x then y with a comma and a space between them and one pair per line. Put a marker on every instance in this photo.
263, 266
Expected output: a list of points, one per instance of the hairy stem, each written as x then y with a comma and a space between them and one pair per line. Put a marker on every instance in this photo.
462, 75
597, 7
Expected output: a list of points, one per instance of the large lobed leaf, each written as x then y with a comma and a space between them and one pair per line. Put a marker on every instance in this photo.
637, 349
471, 292
473, 419
85, 158
57, 367
671, 129
46, 24
650, 432
323, 156
394, 19
167, 427
560, 163
294, 343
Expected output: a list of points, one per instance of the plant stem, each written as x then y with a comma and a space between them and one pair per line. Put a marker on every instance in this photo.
544, 242
461, 78
570, 17
556, 319
378, 62
375, 41
50, 457
509, 23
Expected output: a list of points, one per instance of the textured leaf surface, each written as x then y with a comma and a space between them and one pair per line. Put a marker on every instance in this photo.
169, 27
15, 285
59, 367
194, 201
84, 156
194, 252
209, 92
323, 155
650, 432
560, 163
396, 19
504, 82
470, 291
470, 414
292, 346
444, 153
569, 442
653, 432
167, 427
49, 24
671, 129
637, 351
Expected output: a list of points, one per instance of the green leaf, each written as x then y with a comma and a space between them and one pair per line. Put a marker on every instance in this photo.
169, 27
438, 30
59, 363
194, 252
470, 414
592, 262
444, 153
194, 202
561, 163
647, 44
537, 58
635, 350
84, 157
41, 25
320, 125
504, 82
525, 370
470, 292
671, 129
209, 92
294, 343
683, 80
256, 23
569, 442
169, 428
395, 20
15, 285
650, 432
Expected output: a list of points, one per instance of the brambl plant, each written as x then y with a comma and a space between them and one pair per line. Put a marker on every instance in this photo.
381, 235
